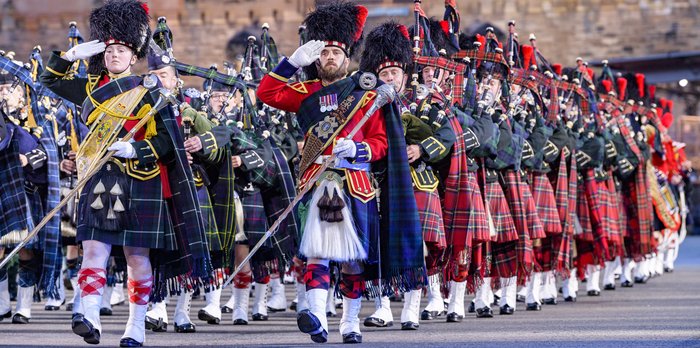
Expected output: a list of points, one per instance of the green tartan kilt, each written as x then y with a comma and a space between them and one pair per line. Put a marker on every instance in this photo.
214, 238
149, 224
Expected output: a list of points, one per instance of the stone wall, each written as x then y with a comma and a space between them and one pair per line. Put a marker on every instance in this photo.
593, 29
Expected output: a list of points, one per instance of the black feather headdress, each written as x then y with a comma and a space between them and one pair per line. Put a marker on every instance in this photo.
385, 46
339, 24
119, 22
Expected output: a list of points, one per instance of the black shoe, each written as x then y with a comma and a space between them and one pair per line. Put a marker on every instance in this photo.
496, 299
156, 325
409, 325
668, 270
69, 307
309, 324
259, 317
471, 308
352, 337
640, 280
376, 322
561, 291
210, 319
275, 310
6, 315
485, 312
627, 284
293, 306
130, 342
609, 287
240, 322
331, 314
570, 299
226, 310
507, 310
19, 319
105, 311
83, 328
533, 307
617, 276
454, 317
520, 298
593, 293
428, 315
185, 328
550, 301
52, 308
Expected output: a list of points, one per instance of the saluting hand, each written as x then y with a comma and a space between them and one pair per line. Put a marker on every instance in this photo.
307, 54
85, 50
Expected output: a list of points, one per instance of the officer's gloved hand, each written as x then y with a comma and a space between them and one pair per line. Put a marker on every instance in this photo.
345, 148
85, 50
307, 54
123, 149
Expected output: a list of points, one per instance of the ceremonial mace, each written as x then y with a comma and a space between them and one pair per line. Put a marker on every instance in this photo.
385, 95
165, 99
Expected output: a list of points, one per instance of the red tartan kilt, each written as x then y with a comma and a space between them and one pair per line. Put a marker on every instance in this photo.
500, 213
430, 214
584, 215
543, 254
515, 191
504, 262
477, 225
534, 223
609, 211
543, 195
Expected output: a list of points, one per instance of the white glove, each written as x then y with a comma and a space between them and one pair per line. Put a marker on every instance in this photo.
85, 50
345, 148
307, 53
123, 149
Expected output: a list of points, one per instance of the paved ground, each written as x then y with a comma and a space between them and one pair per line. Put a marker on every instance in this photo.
662, 313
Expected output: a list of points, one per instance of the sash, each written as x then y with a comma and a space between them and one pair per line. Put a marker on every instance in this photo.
322, 127
106, 128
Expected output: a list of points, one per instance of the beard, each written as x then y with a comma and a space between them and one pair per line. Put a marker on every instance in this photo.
331, 72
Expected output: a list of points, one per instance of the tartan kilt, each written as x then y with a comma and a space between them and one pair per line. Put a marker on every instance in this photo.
365, 217
264, 262
36, 209
255, 224
545, 201
15, 220
430, 215
150, 225
500, 213
504, 259
210, 228
611, 217
636, 201
477, 225
534, 223
513, 190
561, 253
583, 214
559, 180
542, 249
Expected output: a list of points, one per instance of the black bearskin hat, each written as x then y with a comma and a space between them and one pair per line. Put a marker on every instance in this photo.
385, 46
439, 35
119, 22
339, 24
